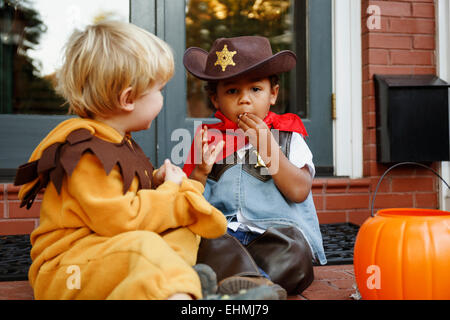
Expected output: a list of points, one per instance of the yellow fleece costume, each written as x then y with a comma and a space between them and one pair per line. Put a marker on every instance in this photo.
138, 244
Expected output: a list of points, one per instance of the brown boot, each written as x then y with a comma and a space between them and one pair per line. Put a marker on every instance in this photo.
234, 284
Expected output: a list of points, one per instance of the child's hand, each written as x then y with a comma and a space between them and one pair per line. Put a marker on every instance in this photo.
172, 172
159, 176
256, 130
208, 153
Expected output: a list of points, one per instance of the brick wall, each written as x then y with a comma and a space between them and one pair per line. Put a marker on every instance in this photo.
405, 44
13, 219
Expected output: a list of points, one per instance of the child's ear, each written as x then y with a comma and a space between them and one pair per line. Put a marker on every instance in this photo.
126, 103
213, 98
274, 94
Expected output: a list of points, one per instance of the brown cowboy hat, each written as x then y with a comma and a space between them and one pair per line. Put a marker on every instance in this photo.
233, 57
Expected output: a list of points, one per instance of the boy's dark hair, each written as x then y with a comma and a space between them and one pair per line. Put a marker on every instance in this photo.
211, 86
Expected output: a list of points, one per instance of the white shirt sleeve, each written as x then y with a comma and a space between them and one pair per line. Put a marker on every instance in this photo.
300, 155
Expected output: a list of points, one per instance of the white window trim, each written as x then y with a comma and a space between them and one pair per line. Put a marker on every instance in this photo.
347, 86
443, 69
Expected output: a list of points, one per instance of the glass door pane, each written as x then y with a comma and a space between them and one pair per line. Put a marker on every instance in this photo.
303, 26
207, 20
33, 34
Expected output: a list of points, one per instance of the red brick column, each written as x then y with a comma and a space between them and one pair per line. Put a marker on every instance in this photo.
13, 219
404, 44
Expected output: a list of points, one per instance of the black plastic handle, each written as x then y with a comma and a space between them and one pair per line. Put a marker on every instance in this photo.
400, 164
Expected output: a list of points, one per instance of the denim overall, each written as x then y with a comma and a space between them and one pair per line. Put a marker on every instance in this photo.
239, 186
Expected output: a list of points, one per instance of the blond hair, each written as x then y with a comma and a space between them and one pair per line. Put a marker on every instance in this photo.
105, 59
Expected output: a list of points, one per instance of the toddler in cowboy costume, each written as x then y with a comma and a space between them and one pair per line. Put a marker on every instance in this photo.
256, 168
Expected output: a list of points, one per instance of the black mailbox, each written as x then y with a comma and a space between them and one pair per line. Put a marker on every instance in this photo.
412, 118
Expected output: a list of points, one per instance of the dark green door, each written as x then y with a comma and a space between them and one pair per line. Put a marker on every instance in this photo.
303, 26
29, 108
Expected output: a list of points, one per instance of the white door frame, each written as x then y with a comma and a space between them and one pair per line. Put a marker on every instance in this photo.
347, 87
443, 69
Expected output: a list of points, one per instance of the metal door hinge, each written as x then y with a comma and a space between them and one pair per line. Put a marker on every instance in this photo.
333, 106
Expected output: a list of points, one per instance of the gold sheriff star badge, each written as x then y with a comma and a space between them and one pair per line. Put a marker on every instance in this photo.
225, 58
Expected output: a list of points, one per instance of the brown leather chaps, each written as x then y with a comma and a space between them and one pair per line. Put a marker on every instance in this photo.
283, 253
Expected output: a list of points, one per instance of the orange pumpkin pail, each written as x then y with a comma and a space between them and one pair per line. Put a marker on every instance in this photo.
404, 253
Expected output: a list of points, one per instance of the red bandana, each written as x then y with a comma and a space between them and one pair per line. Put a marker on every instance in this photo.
234, 137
